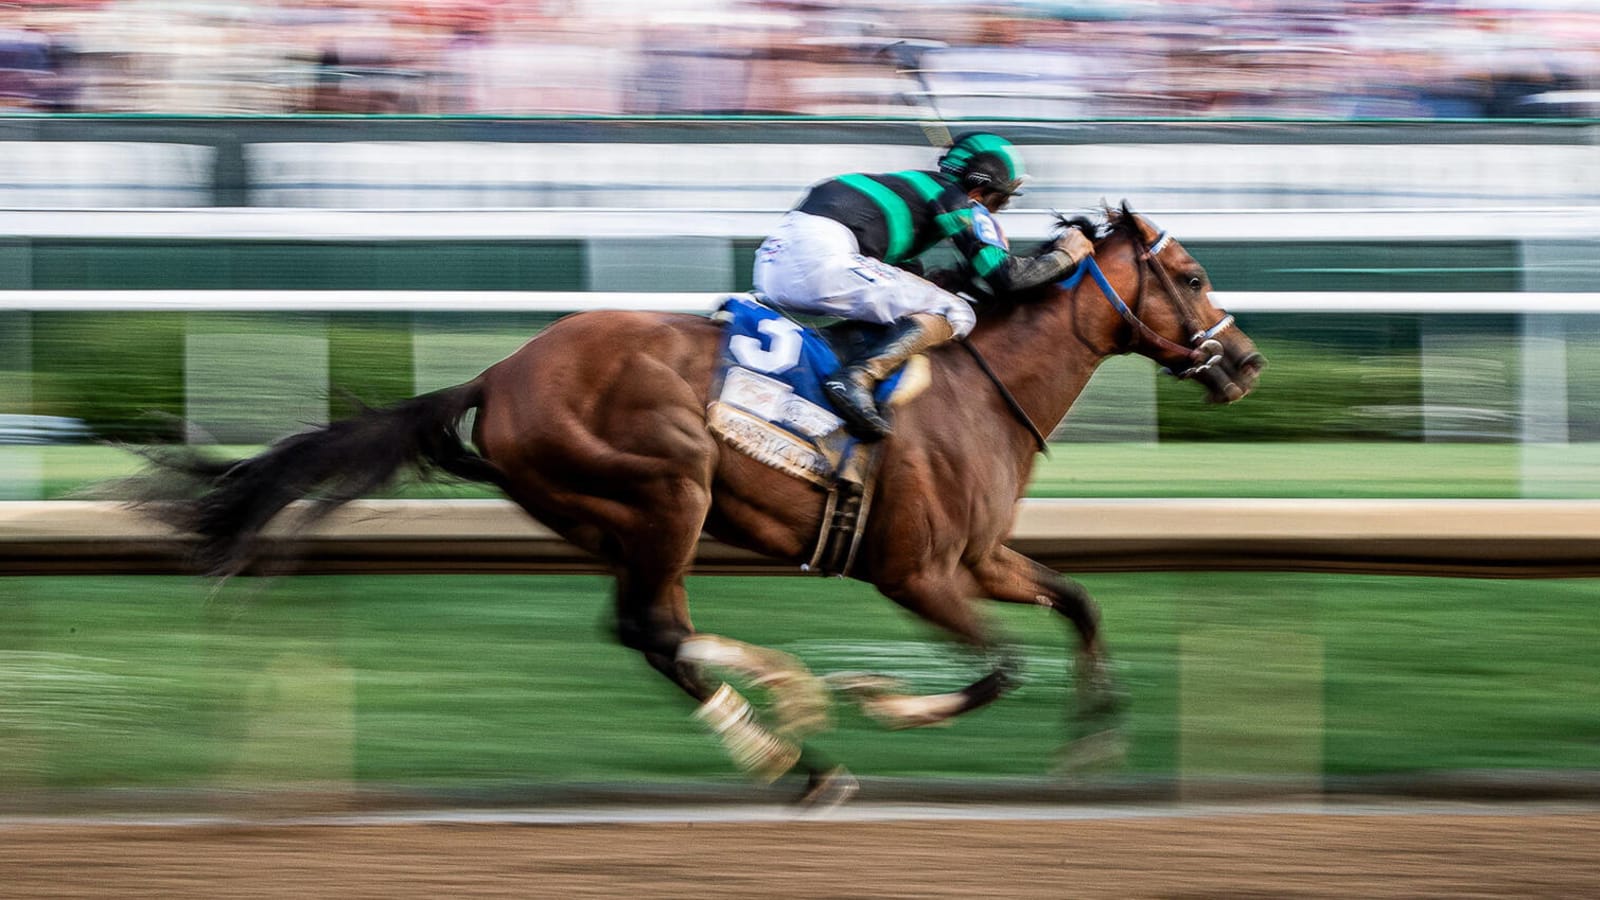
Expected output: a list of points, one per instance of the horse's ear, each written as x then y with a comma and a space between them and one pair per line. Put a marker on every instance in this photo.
1131, 223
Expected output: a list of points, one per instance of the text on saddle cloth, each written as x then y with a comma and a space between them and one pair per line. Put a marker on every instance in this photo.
767, 400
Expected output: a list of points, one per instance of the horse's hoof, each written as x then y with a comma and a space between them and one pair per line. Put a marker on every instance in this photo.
828, 790
1103, 704
1099, 751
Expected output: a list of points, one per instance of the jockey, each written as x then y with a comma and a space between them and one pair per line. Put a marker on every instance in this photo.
838, 253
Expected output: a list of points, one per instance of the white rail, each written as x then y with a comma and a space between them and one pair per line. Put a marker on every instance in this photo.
546, 223
694, 301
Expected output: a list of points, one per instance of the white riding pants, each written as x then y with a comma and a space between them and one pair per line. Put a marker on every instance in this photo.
812, 264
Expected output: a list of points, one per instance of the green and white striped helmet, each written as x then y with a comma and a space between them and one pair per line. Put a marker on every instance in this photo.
981, 160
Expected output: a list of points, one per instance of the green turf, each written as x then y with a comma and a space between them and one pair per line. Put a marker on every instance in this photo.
117, 682
1384, 470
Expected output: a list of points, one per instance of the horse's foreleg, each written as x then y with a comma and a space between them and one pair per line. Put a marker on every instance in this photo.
1010, 577
943, 602
1097, 693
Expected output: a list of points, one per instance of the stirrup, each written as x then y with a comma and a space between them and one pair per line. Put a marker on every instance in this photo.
854, 403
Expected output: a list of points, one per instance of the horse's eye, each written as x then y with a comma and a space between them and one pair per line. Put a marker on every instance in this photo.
1194, 282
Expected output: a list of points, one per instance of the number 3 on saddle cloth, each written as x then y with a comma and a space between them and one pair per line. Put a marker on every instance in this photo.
766, 395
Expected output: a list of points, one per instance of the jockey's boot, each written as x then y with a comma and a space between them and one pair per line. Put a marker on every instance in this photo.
851, 389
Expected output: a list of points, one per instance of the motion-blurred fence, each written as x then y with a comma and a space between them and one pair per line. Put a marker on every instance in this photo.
762, 163
1436, 325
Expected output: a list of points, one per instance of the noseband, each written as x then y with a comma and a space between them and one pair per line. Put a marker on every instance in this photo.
1204, 350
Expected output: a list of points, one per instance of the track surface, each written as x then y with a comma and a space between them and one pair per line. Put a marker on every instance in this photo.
1459, 851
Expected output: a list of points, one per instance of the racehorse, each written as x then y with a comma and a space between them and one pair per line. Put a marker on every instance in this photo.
597, 427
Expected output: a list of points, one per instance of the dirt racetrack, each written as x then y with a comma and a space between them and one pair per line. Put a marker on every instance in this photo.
1549, 853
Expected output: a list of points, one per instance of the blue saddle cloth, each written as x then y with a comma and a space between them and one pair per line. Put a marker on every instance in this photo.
767, 398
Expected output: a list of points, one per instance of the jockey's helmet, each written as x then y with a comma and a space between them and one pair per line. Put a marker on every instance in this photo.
979, 160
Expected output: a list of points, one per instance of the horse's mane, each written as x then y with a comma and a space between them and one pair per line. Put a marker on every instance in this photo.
1116, 220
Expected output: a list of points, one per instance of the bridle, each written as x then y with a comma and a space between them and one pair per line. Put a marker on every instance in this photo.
1204, 350
1203, 353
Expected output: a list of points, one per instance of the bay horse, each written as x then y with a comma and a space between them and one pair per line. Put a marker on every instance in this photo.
597, 427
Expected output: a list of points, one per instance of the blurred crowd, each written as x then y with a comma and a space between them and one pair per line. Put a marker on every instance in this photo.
1026, 58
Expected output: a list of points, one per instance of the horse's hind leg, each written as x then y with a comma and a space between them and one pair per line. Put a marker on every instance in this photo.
799, 701
652, 616
726, 712
627, 476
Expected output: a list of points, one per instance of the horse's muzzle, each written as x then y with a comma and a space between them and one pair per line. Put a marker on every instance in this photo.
1228, 378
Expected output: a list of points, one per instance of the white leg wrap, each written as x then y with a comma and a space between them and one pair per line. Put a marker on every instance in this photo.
903, 711
711, 650
762, 754
799, 699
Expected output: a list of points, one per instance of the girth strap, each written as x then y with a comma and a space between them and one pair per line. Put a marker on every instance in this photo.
844, 515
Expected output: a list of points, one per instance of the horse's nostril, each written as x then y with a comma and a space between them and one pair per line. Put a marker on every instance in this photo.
1252, 364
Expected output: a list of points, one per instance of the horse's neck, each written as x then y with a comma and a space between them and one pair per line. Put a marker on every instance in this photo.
1046, 355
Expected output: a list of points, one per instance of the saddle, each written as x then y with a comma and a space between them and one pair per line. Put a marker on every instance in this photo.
766, 395
767, 402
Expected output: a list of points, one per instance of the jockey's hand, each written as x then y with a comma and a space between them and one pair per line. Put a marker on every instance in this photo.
1077, 245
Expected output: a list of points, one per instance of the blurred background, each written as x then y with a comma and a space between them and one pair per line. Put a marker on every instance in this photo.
1101, 58
223, 221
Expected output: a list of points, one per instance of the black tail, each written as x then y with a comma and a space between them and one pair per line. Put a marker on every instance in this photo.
230, 501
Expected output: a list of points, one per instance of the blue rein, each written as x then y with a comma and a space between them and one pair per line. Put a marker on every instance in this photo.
1093, 269
1090, 267
1201, 355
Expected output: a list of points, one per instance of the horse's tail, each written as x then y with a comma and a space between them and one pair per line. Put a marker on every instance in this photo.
228, 503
